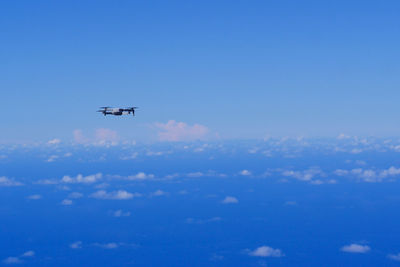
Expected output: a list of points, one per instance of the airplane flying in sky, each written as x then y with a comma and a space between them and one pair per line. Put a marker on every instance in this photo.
117, 111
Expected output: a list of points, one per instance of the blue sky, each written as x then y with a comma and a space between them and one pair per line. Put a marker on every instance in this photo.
242, 69
266, 133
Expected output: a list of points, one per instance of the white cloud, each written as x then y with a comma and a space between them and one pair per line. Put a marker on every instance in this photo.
355, 248
82, 179
156, 153
306, 175
343, 136
265, 251
340, 172
107, 245
253, 150
34, 197
29, 253
245, 173
120, 213
119, 195
79, 137
195, 174
17, 260
395, 257
76, 245
230, 200
54, 141
158, 193
66, 202
141, 176
180, 131
52, 158
369, 175
319, 182
4, 181
392, 171
130, 157
198, 150
103, 135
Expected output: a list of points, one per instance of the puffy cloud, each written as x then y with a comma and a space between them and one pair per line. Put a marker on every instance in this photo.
4, 181
180, 131
369, 175
130, 157
158, 193
355, 248
17, 260
141, 176
245, 173
54, 141
34, 197
230, 200
392, 171
29, 253
265, 251
340, 172
343, 136
106, 135
52, 158
102, 136
156, 153
76, 245
79, 137
111, 245
66, 202
195, 174
82, 179
395, 257
119, 195
306, 175
319, 182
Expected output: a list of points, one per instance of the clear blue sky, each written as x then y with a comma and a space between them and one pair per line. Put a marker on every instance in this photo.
244, 69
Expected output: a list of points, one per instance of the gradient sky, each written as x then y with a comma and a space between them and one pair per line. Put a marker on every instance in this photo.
243, 69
